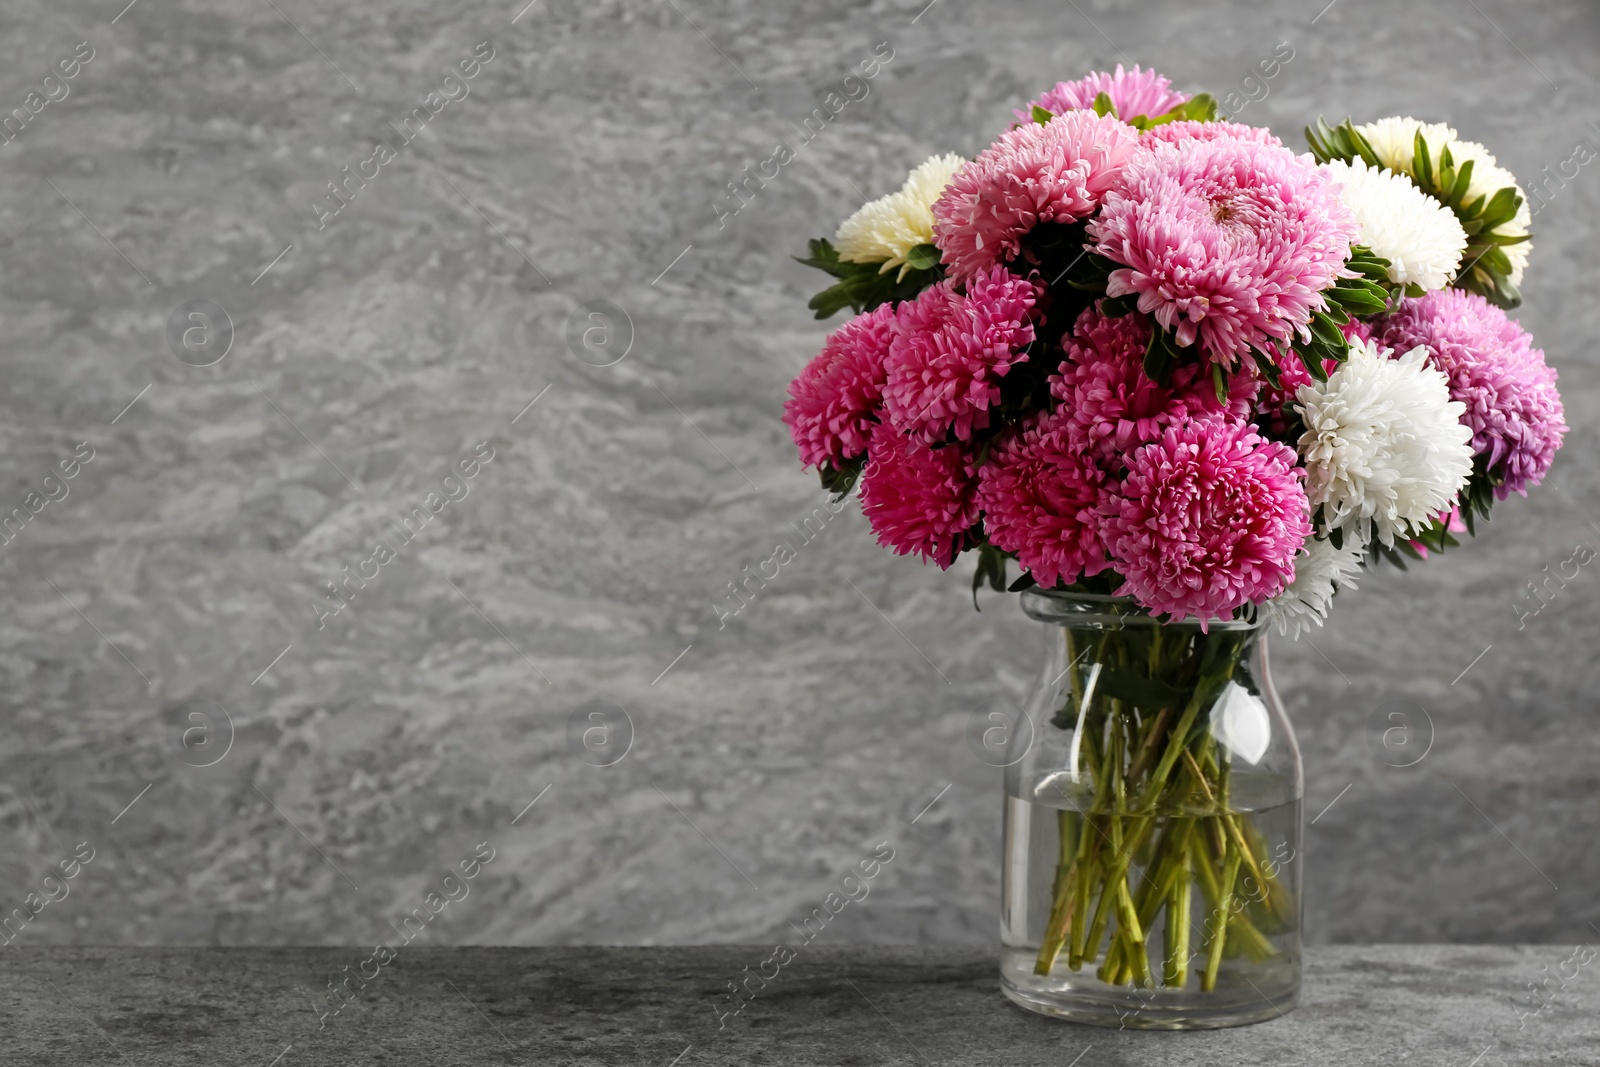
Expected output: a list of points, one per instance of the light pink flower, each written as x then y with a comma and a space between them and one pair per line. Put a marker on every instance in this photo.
1039, 496
1208, 519
918, 499
1218, 130
1513, 408
1111, 405
1057, 172
1135, 92
951, 350
1225, 242
833, 402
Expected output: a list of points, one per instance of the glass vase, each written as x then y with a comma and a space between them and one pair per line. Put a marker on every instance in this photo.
1152, 824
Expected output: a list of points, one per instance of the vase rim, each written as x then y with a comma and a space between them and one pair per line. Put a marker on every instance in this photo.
1066, 606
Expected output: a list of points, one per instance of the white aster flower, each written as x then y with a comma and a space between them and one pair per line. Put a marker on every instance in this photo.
1394, 139
1488, 178
1419, 236
1319, 571
889, 227
1385, 448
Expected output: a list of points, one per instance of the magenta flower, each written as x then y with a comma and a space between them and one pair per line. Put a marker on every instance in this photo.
918, 499
1110, 405
1208, 519
1219, 130
1132, 93
950, 352
1039, 496
1225, 242
1510, 393
833, 403
1057, 172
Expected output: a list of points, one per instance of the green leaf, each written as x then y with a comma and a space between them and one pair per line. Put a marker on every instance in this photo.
1201, 107
1367, 300
1368, 263
1343, 141
840, 480
1114, 307
1160, 354
1463, 179
1495, 261
1362, 146
1269, 369
830, 301
923, 257
825, 258
1324, 329
1143, 692
1041, 116
1313, 363
1502, 208
1090, 271
991, 569
1103, 105
1422, 162
1025, 581
1220, 382
862, 286
1509, 296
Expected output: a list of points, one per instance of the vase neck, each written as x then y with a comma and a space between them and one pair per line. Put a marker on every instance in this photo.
1099, 611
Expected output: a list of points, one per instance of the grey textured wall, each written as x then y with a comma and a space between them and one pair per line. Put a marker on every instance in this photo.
589, 555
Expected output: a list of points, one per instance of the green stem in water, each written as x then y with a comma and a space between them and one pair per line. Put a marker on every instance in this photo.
1203, 863
1062, 895
1177, 940
1219, 932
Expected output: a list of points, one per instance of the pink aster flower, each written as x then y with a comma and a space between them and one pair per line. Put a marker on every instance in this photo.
1208, 519
1057, 172
1111, 405
1132, 93
1225, 242
918, 498
1513, 408
1039, 496
832, 405
950, 352
1218, 130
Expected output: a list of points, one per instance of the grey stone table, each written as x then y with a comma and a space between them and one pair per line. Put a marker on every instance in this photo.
1459, 1006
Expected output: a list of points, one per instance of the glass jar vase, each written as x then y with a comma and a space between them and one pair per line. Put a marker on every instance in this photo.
1152, 824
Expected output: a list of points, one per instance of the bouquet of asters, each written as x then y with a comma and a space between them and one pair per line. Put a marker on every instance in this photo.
1140, 351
